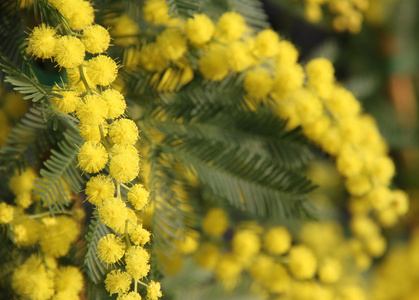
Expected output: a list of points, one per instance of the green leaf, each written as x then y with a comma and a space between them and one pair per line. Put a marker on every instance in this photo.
254, 185
11, 35
27, 141
61, 170
171, 214
26, 85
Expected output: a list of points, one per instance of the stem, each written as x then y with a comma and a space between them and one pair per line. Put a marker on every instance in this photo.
118, 189
142, 283
126, 235
125, 186
84, 80
44, 214
135, 285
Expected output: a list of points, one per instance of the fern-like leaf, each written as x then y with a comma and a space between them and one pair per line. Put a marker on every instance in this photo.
96, 269
261, 131
171, 214
24, 84
251, 10
60, 170
254, 185
27, 141
11, 35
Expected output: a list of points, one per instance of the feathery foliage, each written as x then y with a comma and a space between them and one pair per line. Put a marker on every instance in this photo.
12, 36
61, 170
26, 84
28, 140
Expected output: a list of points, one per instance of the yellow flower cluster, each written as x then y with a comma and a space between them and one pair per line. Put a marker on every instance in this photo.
109, 140
12, 107
316, 264
402, 260
40, 276
348, 15
41, 279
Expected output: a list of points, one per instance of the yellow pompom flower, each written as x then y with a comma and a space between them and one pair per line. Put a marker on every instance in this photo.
110, 248
69, 279
92, 157
24, 200
57, 235
228, 268
138, 196
245, 245
102, 70
189, 242
215, 223
32, 281
358, 185
41, 41
266, 43
25, 231
199, 29
258, 83
260, 267
278, 279
172, 44
383, 169
114, 213
98, 189
156, 12
139, 235
308, 106
124, 149
69, 52
154, 290
239, 56
130, 296
343, 103
115, 102
287, 54
313, 12
95, 39
136, 259
330, 270
207, 256
151, 58
376, 245
364, 227
287, 80
213, 65
124, 131
379, 198
23, 182
92, 110
81, 15
277, 240
66, 101
230, 26
6, 213
124, 31
91, 132
320, 73
348, 162
400, 202
118, 282
302, 262
124, 167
